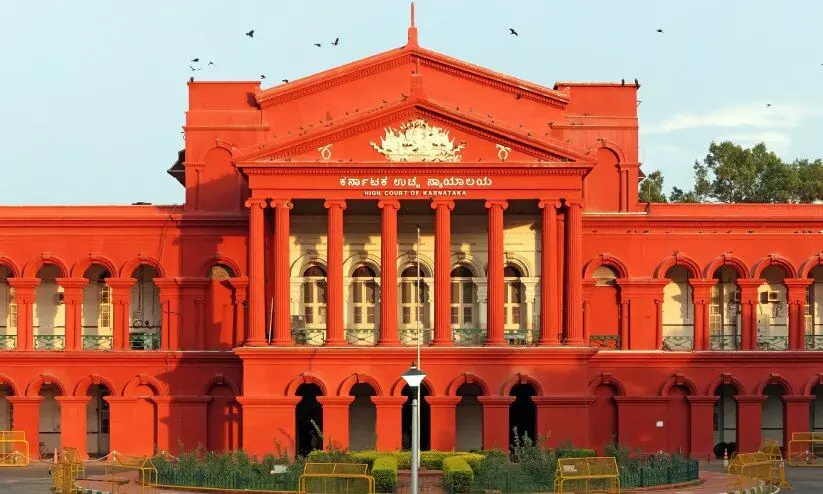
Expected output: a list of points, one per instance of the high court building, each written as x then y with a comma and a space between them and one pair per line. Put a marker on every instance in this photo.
334, 223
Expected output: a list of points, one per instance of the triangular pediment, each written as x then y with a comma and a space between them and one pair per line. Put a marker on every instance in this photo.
414, 130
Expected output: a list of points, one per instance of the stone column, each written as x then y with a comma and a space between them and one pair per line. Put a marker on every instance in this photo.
796, 298
239, 293
749, 422
73, 413
336, 421
588, 293
443, 421
748, 301
282, 312
797, 416
121, 424
570, 411
181, 419
170, 333
257, 264
26, 418
701, 427
121, 301
73, 300
269, 424
442, 271
624, 323
574, 272
495, 290
388, 423
388, 272
335, 335
24, 296
496, 421
549, 306
701, 296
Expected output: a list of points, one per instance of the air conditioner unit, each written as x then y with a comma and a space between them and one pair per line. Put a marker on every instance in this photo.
774, 296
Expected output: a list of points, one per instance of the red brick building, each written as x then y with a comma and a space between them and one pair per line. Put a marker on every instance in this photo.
332, 222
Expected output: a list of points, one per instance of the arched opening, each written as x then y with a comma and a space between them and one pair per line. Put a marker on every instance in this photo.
364, 306
6, 409
313, 294
425, 418
8, 311
469, 418
816, 419
49, 321
223, 416
144, 419
725, 420
678, 424
414, 299
773, 414
309, 419
724, 310
522, 413
145, 316
464, 323
96, 316
603, 417
49, 430
678, 310
772, 311
362, 418
814, 310
604, 313
219, 323
97, 420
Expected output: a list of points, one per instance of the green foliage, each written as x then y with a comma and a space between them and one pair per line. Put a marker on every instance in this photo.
539, 464
329, 456
567, 450
366, 457
457, 474
651, 188
384, 471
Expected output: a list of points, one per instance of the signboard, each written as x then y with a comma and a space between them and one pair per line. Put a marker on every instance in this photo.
416, 186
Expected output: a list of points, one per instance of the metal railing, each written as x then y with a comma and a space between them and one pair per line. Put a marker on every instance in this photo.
8, 341
721, 342
773, 343
410, 336
678, 343
144, 341
362, 336
814, 342
49, 342
97, 342
469, 336
605, 341
522, 336
308, 336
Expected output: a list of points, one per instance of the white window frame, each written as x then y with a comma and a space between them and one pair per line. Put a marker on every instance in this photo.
105, 308
510, 307
364, 308
416, 303
315, 285
461, 286
11, 309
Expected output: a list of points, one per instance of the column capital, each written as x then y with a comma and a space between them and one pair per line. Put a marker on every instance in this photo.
441, 202
23, 284
495, 401
549, 203
72, 282
442, 401
121, 283
23, 400
256, 201
574, 203
494, 203
78, 400
702, 400
388, 203
281, 203
268, 401
802, 399
389, 401
754, 399
335, 401
335, 203
239, 282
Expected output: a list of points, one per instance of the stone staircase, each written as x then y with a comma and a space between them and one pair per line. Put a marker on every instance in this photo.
428, 482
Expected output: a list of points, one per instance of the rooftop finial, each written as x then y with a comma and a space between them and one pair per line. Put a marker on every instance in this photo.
412, 28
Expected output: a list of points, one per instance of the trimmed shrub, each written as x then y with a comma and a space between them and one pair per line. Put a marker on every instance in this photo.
457, 474
384, 471
366, 457
473, 459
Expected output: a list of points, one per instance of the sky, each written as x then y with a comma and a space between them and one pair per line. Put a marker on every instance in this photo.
93, 93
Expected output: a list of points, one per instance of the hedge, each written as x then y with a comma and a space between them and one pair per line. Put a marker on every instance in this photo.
431, 460
384, 471
457, 474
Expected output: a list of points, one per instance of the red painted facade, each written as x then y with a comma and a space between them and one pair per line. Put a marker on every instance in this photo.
221, 378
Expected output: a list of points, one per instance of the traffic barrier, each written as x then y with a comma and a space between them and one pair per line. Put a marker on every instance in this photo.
760, 466
14, 449
805, 449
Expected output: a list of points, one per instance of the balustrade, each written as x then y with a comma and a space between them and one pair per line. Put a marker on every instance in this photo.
678, 343
469, 336
144, 341
98, 342
772, 343
724, 342
605, 341
814, 342
49, 342
522, 337
8, 342
362, 336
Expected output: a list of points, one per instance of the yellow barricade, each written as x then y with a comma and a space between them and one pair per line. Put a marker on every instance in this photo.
760, 466
68, 470
125, 470
14, 449
335, 478
598, 474
771, 448
805, 449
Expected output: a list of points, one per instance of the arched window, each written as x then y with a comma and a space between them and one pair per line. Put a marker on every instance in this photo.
314, 297
364, 295
8, 311
772, 311
723, 310
513, 302
412, 299
462, 298
678, 310
604, 276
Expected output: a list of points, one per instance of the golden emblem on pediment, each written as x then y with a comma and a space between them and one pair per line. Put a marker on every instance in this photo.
416, 140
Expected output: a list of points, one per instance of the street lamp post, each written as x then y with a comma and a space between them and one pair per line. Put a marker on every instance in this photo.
414, 378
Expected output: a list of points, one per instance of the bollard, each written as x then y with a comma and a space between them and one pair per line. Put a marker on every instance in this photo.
725, 459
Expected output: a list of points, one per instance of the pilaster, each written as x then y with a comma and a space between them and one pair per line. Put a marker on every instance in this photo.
388, 423
259, 413
24, 296
121, 300
239, 293
193, 304
73, 301
181, 420
749, 422
643, 298
336, 421
701, 296
26, 418
443, 421
73, 413
701, 426
170, 332
496, 421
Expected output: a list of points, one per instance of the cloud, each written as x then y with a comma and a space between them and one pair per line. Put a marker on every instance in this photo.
775, 141
756, 115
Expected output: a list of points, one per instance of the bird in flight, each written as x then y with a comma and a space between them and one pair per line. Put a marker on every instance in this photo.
191, 79
250, 34
768, 105
195, 60
318, 45
660, 31
210, 63
262, 76
622, 82
336, 41
512, 31
192, 68
636, 83
285, 81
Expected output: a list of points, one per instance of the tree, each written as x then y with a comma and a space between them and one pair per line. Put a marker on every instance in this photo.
651, 188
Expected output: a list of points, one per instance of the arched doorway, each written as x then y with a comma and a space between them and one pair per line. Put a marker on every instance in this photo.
724, 310
678, 310
425, 418
469, 418
814, 310
49, 321
49, 429
362, 418
522, 413
773, 418
816, 419
6, 419
309, 419
219, 323
223, 416
97, 420
725, 416
145, 310
96, 316
678, 426
603, 417
772, 311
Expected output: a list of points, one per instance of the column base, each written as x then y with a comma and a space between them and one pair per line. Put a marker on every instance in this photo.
255, 343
